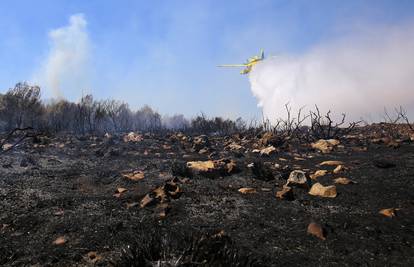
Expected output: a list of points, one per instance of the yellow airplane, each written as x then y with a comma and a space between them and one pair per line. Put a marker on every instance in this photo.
249, 64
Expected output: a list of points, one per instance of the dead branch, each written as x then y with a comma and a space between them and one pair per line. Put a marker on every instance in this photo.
27, 133
403, 114
388, 119
323, 127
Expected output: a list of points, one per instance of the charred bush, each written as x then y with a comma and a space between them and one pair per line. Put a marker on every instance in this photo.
21, 107
200, 142
395, 125
323, 127
309, 127
261, 171
179, 168
272, 139
15, 137
217, 125
41, 140
7, 255
157, 246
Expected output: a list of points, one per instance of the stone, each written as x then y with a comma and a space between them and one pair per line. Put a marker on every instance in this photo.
338, 169
93, 257
271, 139
60, 241
267, 151
162, 194
200, 142
247, 190
7, 146
119, 191
162, 210
391, 212
388, 141
132, 137
230, 166
331, 163
318, 173
132, 204
297, 177
323, 191
235, 147
213, 167
286, 193
147, 200
299, 158
325, 146
393, 144
203, 151
316, 230
343, 180
201, 166
134, 175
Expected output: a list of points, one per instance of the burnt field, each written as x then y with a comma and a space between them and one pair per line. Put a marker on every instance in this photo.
181, 200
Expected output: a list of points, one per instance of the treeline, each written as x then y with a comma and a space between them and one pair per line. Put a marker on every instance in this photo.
21, 107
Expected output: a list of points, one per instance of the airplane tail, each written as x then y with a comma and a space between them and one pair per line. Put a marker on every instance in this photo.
261, 54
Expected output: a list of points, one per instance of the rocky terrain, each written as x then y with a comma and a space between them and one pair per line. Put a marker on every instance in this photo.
181, 200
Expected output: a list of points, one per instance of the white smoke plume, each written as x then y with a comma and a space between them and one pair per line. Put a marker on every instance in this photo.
359, 75
66, 65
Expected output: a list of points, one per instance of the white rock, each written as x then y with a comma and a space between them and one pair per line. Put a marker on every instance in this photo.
297, 177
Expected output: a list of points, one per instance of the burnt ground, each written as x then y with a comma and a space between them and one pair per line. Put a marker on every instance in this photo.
65, 188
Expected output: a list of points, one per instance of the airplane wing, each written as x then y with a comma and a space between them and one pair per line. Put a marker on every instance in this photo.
233, 65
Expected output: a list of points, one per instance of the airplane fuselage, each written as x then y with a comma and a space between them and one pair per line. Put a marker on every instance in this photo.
249, 64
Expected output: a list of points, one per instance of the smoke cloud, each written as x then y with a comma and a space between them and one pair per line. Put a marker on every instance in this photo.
358, 74
66, 65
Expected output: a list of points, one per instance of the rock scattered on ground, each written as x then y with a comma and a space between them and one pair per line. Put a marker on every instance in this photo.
297, 177
325, 146
155, 196
316, 230
318, 189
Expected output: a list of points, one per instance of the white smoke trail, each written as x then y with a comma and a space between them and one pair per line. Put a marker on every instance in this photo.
66, 66
358, 75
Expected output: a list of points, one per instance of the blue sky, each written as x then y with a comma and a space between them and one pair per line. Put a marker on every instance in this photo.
164, 53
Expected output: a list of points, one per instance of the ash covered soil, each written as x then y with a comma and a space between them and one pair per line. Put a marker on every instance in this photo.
175, 200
